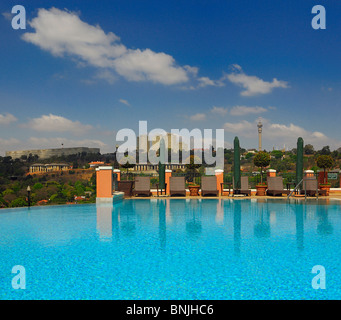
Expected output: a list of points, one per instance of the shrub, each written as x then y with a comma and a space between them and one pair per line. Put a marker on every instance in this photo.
8, 191
37, 186
18, 202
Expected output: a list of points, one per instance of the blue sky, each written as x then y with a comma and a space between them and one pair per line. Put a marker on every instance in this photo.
82, 70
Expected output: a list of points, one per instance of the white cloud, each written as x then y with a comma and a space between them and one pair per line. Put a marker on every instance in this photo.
243, 110
125, 102
329, 89
36, 142
8, 145
235, 67
279, 133
252, 84
54, 123
106, 75
63, 33
52, 142
8, 16
244, 128
205, 81
198, 117
7, 118
238, 110
143, 65
220, 110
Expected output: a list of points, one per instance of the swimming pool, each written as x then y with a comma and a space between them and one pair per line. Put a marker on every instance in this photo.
173, 249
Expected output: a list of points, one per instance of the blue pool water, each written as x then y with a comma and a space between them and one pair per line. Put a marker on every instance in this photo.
173, 249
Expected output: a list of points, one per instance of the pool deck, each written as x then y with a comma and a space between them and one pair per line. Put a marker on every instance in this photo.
334, 195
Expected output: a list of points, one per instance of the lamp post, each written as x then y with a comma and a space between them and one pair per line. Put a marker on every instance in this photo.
115, 164
29, 196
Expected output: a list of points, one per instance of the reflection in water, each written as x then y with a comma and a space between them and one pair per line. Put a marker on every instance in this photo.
262, 226
324, 227
237, 224
104, 220
163, 204
300, 227
193, 219
116, 216
126, 218
220, 211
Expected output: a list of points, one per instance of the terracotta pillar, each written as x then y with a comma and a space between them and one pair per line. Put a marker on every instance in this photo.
118, 172
219, 173
309, 173
168, 174
321, 177
271, 173
104, 182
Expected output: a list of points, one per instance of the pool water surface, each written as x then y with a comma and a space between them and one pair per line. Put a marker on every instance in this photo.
173, 249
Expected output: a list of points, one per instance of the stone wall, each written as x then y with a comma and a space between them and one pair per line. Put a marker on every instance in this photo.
48, 153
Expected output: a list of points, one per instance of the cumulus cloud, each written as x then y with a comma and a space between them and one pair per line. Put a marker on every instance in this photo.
54, 123
8, 145
51, 142
244, 128
43, 142
205, 81
220, 110
279, 133
238, 110
63, 33
252, 84
125, 102
7, 118
198, 117
243, 110
143, 65
106, 75
8, 15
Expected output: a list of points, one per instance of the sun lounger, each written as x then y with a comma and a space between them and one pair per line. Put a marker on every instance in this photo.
244, 186
209, 186
275, 186
310, 187
177, 186
142, 186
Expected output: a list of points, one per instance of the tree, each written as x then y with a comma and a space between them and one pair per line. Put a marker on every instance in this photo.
249, 155
309, 149
191, 167
324, 162
325, 151
127, 165
277, 154
261, 160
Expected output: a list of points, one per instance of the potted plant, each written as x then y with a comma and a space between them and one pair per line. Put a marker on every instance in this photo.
325, 162
261, 160
193, 189
191, 171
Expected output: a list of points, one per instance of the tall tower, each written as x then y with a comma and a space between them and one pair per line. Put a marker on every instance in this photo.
260, 126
